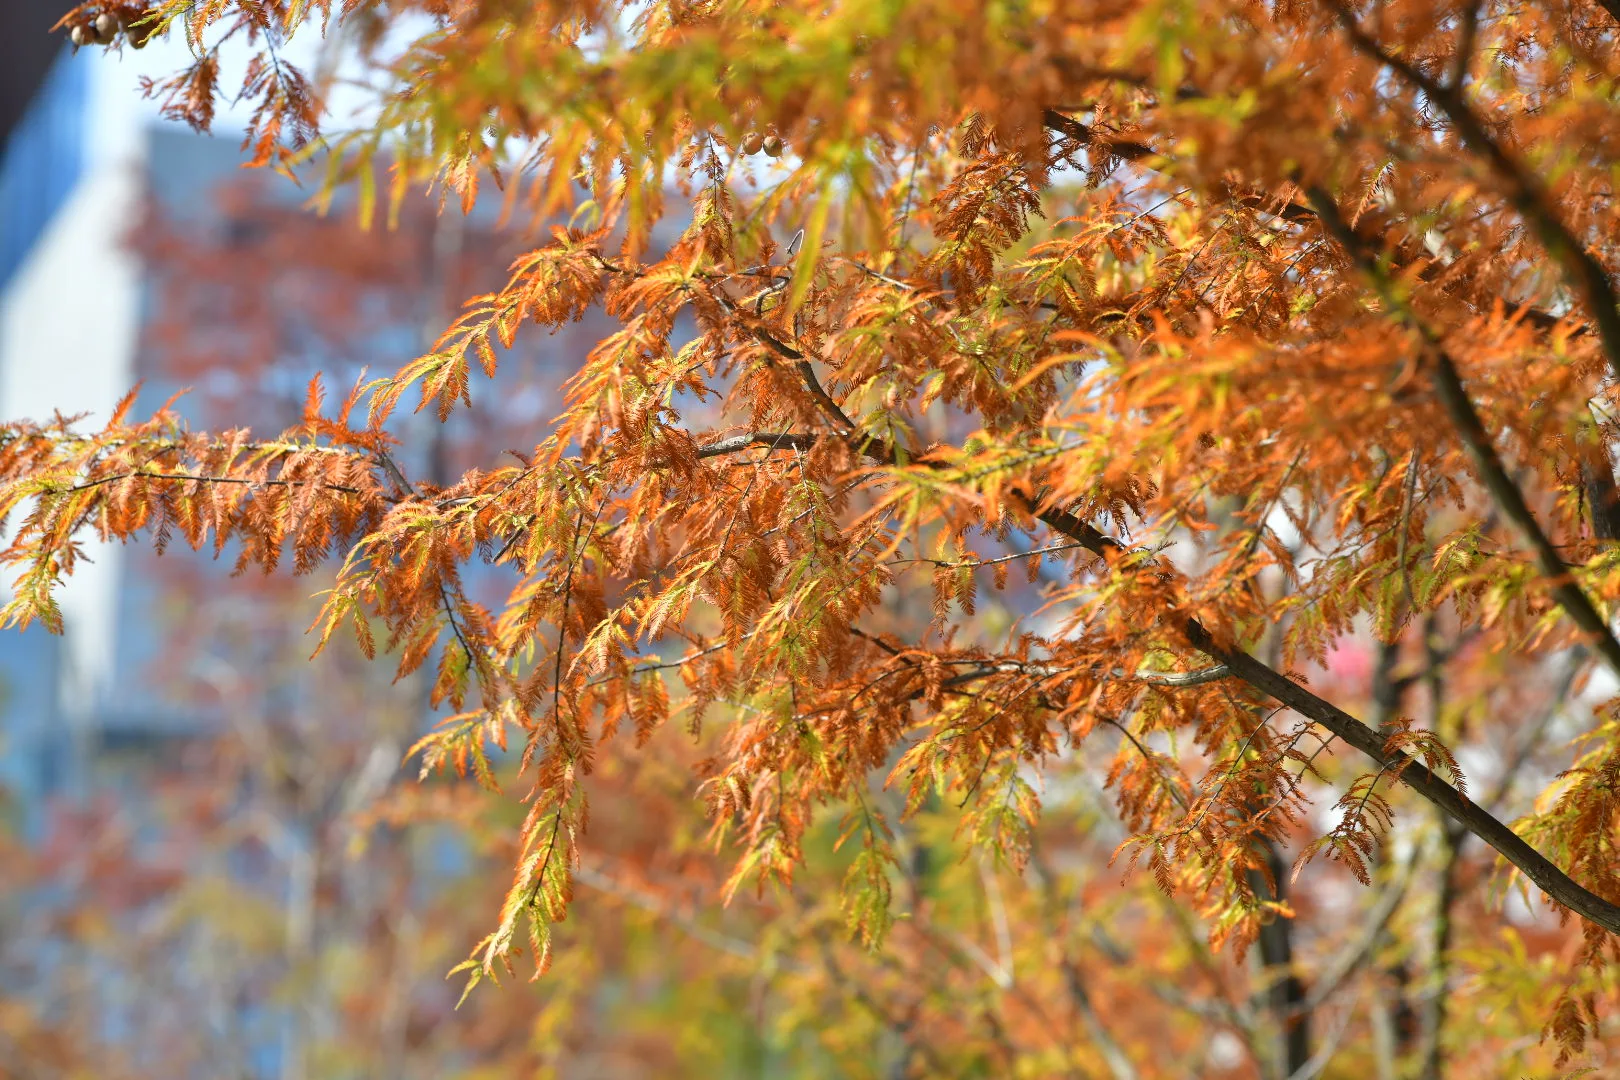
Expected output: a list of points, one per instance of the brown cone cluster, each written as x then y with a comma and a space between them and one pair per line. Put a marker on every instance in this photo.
754, 143
104, 27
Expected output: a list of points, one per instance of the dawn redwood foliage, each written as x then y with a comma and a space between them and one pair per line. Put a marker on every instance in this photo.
1245, 327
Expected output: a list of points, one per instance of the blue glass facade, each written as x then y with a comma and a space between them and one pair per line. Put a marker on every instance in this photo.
41, 163
43, 160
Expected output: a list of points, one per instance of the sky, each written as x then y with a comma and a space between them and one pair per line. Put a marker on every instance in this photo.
120, 110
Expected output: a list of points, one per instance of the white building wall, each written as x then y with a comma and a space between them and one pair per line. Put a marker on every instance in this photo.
69, 322
70, 316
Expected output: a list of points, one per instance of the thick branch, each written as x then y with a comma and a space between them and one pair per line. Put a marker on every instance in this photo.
1548, 878
1285, 990
1581, 269
1448, 387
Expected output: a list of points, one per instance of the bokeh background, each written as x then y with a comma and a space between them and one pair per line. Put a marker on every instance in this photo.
212, 867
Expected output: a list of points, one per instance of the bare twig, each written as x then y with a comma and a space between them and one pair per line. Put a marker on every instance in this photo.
769, 439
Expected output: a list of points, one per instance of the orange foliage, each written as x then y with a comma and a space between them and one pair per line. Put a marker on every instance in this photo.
1252, 330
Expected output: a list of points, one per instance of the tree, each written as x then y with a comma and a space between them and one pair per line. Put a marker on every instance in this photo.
1253, 330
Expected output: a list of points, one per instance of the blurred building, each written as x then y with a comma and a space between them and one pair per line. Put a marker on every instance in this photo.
73, 168
75, 172
99, 714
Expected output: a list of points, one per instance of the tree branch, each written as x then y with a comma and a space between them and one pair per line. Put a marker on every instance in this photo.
1548, 878
1448, 387
1113, 1055
1582, 271
1284, 989
770, 439
1350, 960
1538, 868
1292, 210
101, 480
